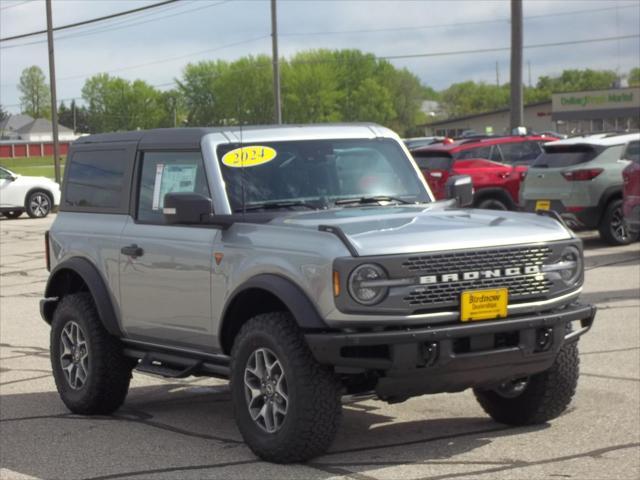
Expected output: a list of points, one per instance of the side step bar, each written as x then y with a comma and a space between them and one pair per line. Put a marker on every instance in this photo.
175, 366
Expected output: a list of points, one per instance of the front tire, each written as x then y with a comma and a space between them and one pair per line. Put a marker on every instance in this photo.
613, 228
537, 399
287, 406
92, 374
38, 204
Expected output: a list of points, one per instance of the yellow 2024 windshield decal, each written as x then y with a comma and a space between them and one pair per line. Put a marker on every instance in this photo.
250, 156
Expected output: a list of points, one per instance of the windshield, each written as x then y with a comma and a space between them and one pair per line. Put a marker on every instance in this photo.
317, 173
565, 156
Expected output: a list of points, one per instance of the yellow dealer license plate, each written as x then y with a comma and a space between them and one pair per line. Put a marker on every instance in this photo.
543, 204
484, 304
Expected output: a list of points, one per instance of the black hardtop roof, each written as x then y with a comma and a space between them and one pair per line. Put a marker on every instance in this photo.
188, 137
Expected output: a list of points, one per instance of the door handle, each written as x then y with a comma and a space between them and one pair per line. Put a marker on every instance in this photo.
132, 251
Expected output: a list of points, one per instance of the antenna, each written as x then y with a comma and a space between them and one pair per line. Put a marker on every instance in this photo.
242, 177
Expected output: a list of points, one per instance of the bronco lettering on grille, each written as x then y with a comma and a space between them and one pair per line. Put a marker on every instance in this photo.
478, 274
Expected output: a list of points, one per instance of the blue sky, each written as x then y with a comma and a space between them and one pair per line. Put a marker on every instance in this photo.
155, 45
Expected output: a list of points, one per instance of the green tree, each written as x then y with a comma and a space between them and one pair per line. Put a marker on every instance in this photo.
3, 114
310, 89
634, 77
576, 80
200, 89
35, 99
469, 97
118, 104
74, 117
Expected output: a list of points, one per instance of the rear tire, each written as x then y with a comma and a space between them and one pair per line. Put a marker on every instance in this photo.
492, 204
543, 397
304, 425
91, 372
613, 228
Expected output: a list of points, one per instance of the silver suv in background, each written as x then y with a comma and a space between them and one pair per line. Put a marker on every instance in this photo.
303, 263
581, 179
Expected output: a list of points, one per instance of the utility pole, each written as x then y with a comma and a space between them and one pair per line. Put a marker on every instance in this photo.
276, 63
73, 105
497, 75
516, 64
54, 101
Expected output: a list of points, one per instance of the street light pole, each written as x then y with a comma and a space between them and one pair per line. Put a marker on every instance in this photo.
276, 63
54, 101
516, 64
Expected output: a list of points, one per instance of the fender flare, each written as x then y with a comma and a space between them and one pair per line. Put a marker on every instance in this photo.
609, 193
97, 288
291, 295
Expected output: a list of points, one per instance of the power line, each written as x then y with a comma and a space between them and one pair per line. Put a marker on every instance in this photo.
92, 20
119, 25
446, 25
502, 49
171, 59
15, 5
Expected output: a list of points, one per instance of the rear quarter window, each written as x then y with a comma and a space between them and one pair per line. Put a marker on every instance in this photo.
95, 180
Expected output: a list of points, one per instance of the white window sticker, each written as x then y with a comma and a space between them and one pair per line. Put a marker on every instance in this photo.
173, 178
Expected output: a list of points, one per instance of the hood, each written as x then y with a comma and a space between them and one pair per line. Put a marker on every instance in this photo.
423, 228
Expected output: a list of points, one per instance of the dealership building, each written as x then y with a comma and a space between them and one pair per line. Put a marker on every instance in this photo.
570, 113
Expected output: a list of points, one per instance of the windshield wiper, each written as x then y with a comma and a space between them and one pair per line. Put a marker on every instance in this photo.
374, 199
276, 205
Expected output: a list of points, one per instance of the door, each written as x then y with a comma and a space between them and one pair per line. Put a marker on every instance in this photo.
10, 194
165, 270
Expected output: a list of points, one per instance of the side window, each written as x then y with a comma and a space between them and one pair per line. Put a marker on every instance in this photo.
633, 152
4, 174
166, 172
520, 152
96, 179
478, 152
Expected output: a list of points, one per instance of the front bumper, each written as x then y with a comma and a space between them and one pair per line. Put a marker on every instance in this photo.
414, 361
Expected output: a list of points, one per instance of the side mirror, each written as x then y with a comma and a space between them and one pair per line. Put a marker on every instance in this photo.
186, 208
460, 188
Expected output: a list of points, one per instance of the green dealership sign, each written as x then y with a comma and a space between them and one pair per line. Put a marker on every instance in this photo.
597, 100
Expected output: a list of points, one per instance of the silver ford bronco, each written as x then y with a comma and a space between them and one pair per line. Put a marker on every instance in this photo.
303, 263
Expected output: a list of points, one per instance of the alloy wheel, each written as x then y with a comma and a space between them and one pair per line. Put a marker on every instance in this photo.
74, 355
618, 226
39, 205
266, 390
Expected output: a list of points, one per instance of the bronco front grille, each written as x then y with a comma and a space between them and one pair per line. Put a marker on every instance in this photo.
448, 293
477, 260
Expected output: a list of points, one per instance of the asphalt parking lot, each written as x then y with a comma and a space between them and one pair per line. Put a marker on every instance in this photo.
185, 429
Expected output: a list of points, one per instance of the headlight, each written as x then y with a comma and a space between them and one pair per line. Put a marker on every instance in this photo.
569, 267
362, 284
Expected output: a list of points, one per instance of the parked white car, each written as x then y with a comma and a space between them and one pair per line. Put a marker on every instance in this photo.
19, 193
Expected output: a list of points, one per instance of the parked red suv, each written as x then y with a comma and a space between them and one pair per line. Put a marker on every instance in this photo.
496, 165
631, 189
